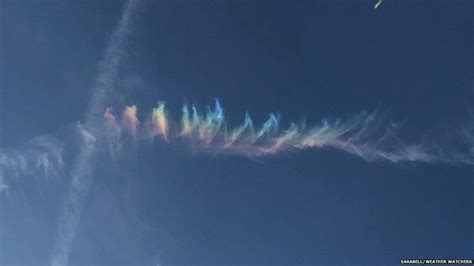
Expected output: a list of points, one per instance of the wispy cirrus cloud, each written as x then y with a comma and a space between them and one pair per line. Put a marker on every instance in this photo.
41, 156
367, 135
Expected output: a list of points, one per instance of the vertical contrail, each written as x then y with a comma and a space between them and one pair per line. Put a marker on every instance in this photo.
91, 135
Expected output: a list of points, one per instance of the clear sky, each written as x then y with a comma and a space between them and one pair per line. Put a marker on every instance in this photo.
71, 193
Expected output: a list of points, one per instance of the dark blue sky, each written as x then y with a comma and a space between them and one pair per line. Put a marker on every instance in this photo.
312, 59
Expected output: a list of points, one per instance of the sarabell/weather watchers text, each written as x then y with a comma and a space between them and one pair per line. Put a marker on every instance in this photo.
419, 261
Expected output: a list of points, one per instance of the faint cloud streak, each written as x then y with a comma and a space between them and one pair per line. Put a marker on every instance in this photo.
92, 133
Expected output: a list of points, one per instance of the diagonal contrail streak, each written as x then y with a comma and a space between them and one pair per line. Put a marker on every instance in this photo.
90, 133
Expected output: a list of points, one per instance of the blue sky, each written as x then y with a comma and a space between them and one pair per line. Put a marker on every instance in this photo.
67, 198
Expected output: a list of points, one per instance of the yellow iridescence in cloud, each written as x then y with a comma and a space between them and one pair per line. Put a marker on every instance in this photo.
160, 121
130, 120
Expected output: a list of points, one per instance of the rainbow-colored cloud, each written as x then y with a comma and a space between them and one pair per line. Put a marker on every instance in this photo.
364, 134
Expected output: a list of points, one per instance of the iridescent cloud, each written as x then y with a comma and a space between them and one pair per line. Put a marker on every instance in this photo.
130, 120
366, 135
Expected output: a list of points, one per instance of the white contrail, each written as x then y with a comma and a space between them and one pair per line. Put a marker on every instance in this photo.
91, 134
